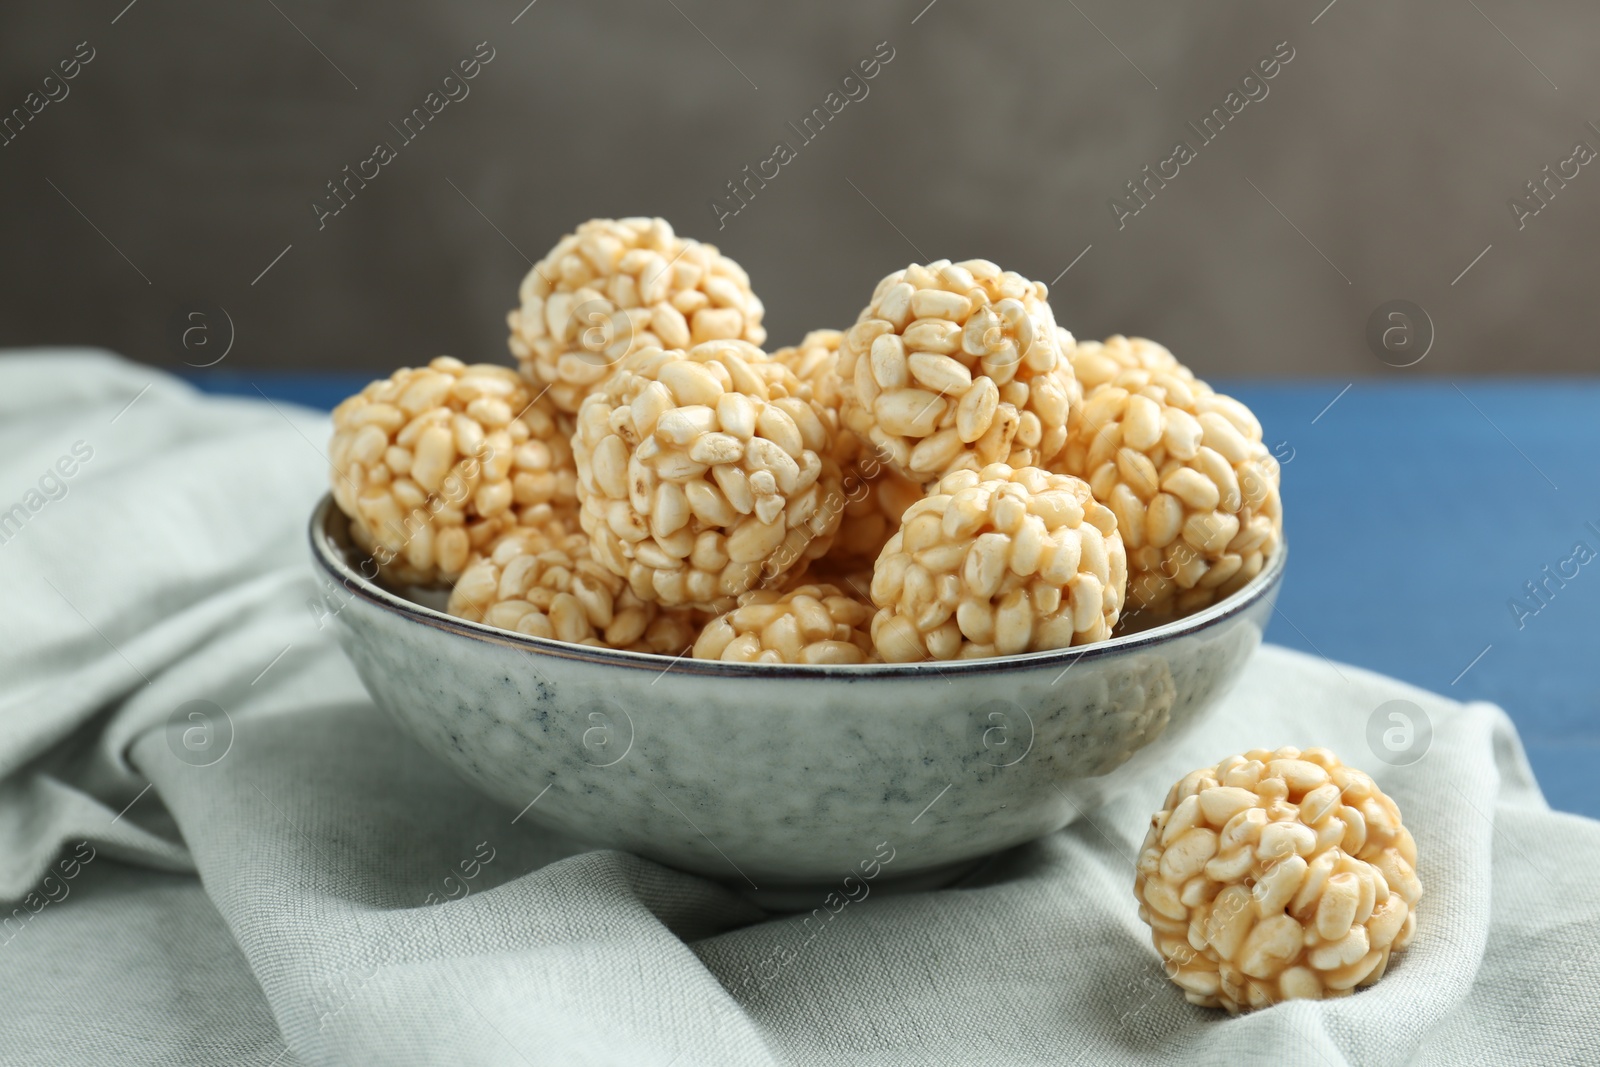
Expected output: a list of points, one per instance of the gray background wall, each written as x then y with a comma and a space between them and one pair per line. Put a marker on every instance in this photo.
1382, 160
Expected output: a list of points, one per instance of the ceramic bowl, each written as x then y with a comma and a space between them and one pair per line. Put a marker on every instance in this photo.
785, 780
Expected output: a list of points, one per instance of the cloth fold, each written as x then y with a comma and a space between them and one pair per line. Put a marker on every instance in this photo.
276, 875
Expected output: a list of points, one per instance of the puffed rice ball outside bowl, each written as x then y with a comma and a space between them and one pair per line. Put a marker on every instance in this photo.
780, 780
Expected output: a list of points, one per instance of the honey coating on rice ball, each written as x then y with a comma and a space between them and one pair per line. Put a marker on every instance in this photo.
997, 562
956, 365
1194, 489
1277, 875
432, 463
816, 623
703, 473
619, 285
542, 581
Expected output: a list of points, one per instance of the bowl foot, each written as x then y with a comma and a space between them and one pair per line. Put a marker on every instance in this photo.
805, 897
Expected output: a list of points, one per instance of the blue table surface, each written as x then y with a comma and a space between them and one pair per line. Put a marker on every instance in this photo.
1422, 518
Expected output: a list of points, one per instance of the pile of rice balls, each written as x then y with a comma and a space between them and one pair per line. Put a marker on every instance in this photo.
952, 477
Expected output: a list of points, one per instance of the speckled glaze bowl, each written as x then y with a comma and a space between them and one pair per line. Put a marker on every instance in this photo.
784, 780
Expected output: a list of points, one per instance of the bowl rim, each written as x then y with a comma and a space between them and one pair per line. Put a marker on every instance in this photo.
338, 568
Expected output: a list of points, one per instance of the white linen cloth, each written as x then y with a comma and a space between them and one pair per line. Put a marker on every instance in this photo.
273, 907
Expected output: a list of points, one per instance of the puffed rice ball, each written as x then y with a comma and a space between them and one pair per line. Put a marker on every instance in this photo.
873, 507
875, 495
1194, 489
432, 463
703, 473
996, 562
956, 365
807, 624
1096, 363
815, 361
1275, 876
853, 577
542, 581
619, 285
